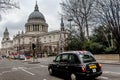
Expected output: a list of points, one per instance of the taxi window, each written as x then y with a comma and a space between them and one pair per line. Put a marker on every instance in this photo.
64, 58
57, 58
87, 58
73, 59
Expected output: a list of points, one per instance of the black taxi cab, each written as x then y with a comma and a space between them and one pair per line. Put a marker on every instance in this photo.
75, 65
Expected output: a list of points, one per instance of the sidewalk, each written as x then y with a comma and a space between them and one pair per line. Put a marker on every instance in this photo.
114, 62
47, 60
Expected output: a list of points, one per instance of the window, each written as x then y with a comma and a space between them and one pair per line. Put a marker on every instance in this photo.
64, 58
87, 58
58, 58
73, 59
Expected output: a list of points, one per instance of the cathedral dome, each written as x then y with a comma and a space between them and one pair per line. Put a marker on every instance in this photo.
36, 14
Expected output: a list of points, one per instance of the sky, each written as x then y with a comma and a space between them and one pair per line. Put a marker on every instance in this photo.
15, 19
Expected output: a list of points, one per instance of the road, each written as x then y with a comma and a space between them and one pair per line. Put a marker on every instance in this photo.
19, 70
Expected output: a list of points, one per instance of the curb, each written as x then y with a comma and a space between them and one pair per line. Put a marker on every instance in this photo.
110, 63
33, 62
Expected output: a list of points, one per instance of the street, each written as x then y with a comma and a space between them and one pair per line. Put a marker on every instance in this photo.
19, 70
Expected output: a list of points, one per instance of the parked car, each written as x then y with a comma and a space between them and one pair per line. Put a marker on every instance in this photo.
0, 58
11, 56
22, 57
16, 56
3, 56
75, 65
28, 57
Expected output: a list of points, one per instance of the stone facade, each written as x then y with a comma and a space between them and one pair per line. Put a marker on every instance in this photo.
36, 32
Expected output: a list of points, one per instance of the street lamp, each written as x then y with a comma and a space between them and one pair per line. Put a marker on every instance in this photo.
70, 20
69, 36
23, 45
18, 43
61, 43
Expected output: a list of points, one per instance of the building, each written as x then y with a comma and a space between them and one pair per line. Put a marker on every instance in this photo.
6, 43
36, 32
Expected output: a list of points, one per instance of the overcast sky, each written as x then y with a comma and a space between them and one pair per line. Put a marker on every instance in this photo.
15, 19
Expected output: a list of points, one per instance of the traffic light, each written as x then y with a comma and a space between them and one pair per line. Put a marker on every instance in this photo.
33, 46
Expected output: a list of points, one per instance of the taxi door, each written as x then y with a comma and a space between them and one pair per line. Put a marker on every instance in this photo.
63, 65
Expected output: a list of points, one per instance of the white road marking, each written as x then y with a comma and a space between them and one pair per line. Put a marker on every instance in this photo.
4, 72
26, 71
43, 66
17, 68
102, 77
44, 79
37, 67
22, 68
106, 72
14, 69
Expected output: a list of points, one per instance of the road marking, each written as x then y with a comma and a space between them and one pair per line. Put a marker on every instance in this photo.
43, 66
104, 77
14, 69
106, 72
44, 79
4, 72
26, 71
22, 68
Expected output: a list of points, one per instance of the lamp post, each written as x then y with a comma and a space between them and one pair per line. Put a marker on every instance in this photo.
23, 45
61, 43
19, 44
70, 32
70, 20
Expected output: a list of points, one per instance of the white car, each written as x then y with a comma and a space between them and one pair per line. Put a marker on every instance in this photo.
22, 57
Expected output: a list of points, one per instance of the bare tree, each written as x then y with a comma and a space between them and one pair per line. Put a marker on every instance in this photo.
80, 12
108, 13
7, 4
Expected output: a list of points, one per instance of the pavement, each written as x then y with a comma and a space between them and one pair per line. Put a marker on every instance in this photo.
114, 62
47, 60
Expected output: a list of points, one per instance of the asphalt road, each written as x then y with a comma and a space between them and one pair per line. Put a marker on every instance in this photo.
19, 70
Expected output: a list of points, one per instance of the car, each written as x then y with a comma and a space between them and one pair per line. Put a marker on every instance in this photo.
16, 56
3, 56
22, 57
75, 65
28, 57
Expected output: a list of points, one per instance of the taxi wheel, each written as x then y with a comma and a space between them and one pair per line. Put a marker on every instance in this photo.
50, 71
73, 77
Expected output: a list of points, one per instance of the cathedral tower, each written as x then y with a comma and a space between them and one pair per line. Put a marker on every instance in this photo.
6, 35
62, 24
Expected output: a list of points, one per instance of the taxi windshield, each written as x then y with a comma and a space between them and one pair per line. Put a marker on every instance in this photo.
87, 58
